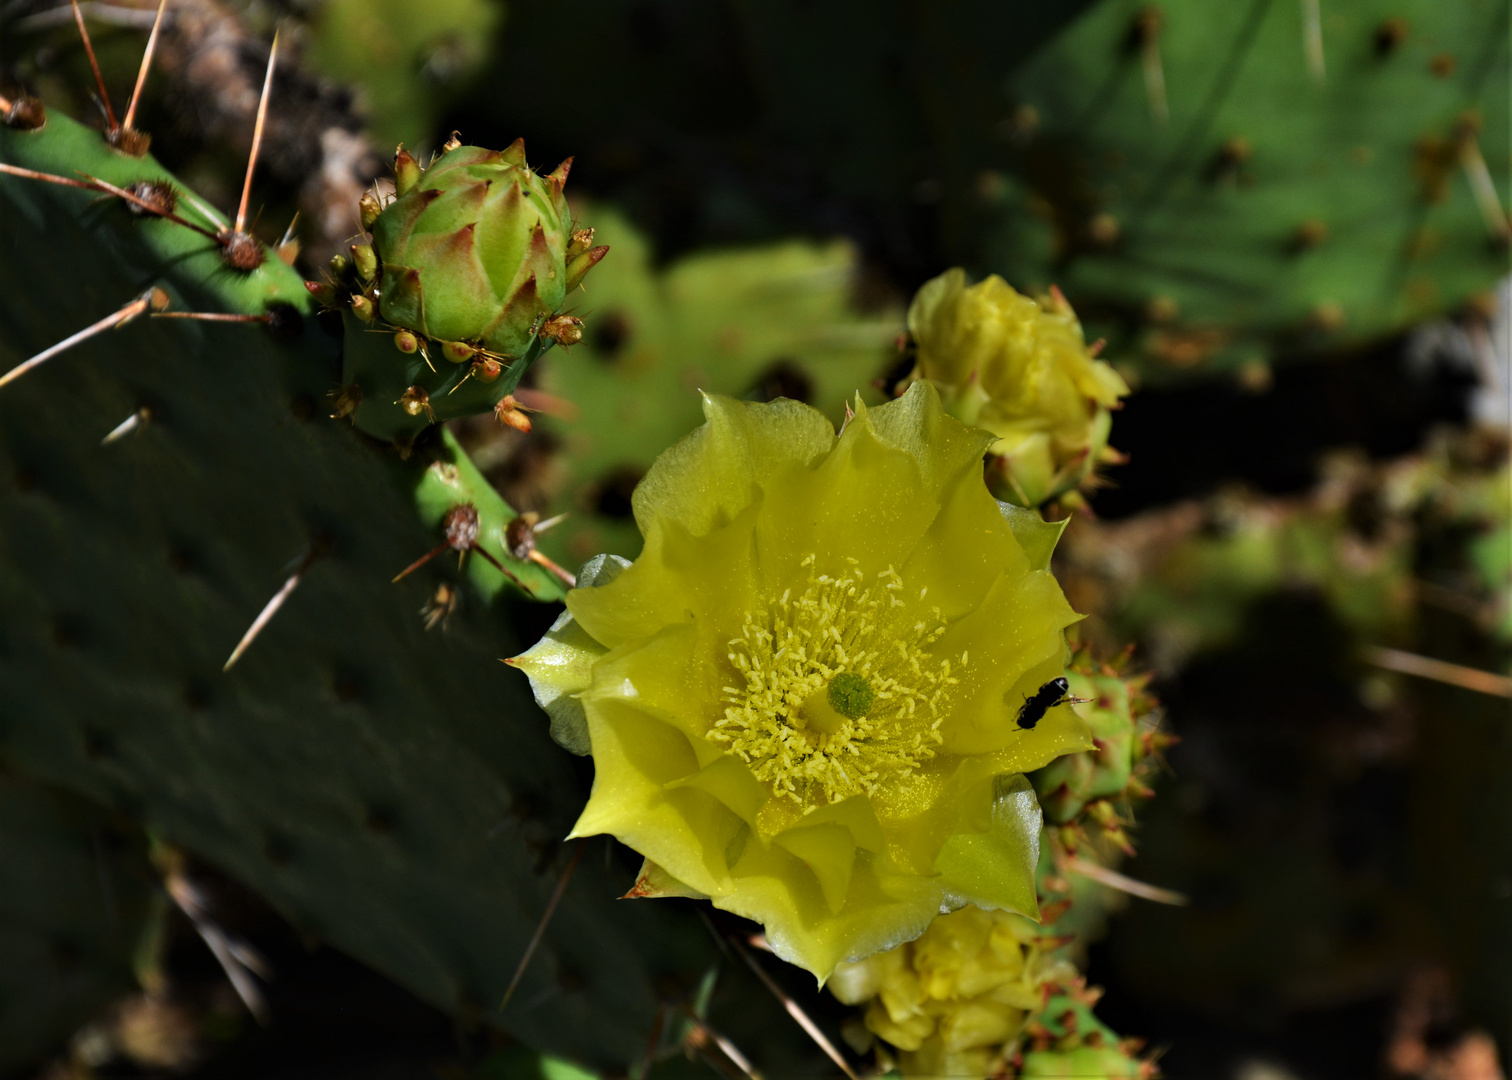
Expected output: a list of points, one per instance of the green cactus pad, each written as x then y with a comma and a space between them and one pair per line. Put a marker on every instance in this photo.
73, 899
1275, 212
391, 790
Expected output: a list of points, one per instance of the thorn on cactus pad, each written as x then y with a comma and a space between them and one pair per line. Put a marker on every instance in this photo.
94, 65
792, 1008
700, 1034
416, 402
320, 546
288, 246
258, 126
155, 197
345, 401
241, 251
540, 930
520, 540
135, 422
154, 299
24, 113
136, 92
144, 206
461, 527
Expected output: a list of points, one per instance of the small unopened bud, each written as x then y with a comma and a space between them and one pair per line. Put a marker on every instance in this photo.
324, 294
363, 308
368, 209
508, 412
487, 369
458, 352
406, 342
366, 262
338, 266
406, 172
563, 329
416, 402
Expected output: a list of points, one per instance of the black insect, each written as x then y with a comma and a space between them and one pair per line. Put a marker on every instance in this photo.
1044, 699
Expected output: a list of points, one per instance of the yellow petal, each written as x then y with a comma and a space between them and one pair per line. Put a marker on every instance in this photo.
776, 889
1015, 636
829, 852
865, 505
634, 758
946, 451
708, 477
727, 779
995, 868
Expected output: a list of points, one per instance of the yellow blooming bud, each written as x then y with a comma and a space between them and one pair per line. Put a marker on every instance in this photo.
801, 699
952, 1001
1022, 370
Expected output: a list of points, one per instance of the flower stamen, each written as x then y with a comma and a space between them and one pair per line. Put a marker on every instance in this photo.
840, 690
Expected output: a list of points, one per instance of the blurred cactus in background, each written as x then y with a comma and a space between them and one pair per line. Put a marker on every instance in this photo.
408, 60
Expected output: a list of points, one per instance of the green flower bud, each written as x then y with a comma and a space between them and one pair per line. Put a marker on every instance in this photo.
475, 249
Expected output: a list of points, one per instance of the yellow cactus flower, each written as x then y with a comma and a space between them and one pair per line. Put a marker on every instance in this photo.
1021, 369
801, 699
953, 1001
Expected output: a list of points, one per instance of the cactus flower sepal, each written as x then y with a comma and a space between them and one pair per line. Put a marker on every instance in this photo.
801, 698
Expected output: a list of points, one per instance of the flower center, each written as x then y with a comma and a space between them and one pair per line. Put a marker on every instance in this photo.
850, 695
840, 690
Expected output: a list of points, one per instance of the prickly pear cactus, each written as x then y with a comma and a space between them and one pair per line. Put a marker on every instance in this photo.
460, 291
1181, 172
391, 790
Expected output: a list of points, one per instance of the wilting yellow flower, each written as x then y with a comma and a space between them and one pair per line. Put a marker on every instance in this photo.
952, 1001
1022, 370
801, 699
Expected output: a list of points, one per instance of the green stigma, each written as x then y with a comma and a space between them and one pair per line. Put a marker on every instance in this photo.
851, 695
